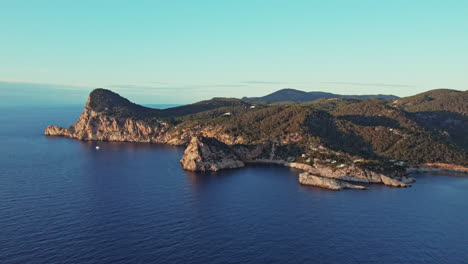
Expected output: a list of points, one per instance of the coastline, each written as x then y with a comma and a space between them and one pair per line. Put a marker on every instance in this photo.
437, 167
209, 148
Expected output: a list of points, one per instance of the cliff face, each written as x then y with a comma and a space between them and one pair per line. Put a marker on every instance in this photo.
209, 154
93, 125
103, 119
306, 178
354, 173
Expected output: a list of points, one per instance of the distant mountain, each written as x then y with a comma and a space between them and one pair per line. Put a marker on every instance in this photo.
301, 96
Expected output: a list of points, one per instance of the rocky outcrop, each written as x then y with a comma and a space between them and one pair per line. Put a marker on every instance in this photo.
55, 131
354, 173
306, 178
209, 154
300, 166
94, 125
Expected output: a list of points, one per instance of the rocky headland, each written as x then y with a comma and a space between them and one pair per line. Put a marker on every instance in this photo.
230, 133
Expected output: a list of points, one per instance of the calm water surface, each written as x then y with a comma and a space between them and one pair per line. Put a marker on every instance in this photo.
63, 201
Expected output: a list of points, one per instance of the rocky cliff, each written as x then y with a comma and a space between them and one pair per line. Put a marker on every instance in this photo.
355, 173
95, 125
326, 183
208, 154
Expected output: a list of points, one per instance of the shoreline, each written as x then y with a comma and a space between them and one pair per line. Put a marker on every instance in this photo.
207, 148
437, 167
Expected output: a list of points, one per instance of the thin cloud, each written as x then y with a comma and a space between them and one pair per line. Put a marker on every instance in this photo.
140, 87
263, 82
38, 84
31, 86
181, 87
371, 84
211, 89
228, 85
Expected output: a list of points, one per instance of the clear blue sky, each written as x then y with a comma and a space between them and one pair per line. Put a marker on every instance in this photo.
184, 51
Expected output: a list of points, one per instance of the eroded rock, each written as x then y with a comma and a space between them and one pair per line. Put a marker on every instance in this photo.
307, 178
209, 154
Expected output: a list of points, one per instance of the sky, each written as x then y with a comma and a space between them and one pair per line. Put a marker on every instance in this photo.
185, 51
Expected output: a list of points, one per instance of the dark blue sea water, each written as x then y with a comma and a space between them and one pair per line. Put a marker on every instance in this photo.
63, 201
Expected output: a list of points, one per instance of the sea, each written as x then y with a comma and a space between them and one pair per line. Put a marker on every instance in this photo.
64, 201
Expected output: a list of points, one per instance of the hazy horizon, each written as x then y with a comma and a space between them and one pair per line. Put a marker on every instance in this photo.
187, 51
15, 93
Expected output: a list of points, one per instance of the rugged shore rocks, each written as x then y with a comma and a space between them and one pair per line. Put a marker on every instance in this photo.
354, 173
94, 125
327, 183
208, 154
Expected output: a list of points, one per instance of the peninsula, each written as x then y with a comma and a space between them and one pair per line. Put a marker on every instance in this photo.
338, 142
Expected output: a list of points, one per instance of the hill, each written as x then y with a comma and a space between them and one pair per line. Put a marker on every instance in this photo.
442, 111
435, 100
112, 104
301, 96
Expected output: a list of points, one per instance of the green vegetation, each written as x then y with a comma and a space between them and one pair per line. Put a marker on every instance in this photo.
102, 100
435, 100
444, 112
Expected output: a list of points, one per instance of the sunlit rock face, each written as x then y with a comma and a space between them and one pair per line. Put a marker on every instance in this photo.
208, 154
306, 178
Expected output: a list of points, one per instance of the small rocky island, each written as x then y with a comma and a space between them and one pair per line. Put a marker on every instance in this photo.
338, 143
